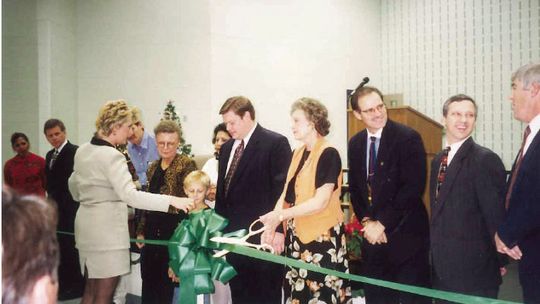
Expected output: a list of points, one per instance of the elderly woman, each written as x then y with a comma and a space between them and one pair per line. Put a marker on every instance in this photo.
26, 171
165, 176
102, 184
221, 136
310, 207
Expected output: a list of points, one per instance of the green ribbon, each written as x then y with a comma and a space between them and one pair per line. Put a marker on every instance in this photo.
194, 233
432, 293
191, 254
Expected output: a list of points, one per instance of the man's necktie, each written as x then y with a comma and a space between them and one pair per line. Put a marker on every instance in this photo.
234, 164
372, 163
442, 170
372, 159
53, 158
516, 168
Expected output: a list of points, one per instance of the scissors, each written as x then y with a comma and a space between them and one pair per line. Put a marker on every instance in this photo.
242, 241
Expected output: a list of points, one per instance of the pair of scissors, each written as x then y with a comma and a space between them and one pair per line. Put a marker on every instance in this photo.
242, 241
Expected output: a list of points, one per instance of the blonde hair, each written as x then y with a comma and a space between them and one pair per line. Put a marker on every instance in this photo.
111, 114
136, 116
198, 177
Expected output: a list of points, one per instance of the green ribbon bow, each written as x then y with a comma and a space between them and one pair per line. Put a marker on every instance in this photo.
191, 254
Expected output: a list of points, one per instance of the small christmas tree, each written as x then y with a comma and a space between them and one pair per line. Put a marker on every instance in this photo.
170, 114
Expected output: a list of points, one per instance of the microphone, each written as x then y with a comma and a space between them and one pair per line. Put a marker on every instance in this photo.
363, 83
365, 80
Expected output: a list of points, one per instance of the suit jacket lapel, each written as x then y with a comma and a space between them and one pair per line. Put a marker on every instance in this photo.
224, 154
249, 151
363, 167
59, 158
433, 183
451, 174
383, 153
529, 156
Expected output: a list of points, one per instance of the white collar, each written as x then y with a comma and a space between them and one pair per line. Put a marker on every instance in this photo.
454, 148
61, 146
247, 137
377, 134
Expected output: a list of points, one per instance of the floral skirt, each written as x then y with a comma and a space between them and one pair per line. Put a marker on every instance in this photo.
328, 251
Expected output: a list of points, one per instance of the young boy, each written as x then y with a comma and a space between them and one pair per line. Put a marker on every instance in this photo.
197, 187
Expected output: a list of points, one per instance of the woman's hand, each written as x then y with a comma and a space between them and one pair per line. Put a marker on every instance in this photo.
182, 203
271, 220
140, 237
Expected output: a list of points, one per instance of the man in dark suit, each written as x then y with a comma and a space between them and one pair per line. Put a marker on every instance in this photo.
519, 235
59, 166
467, 205
387, 175
251, 176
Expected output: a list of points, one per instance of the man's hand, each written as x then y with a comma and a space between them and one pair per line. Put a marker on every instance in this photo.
374, 232
514, 252
140, 237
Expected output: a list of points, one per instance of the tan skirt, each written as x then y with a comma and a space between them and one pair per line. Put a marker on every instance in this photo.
105, 264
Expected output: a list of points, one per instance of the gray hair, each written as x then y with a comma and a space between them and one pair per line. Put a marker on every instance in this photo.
527, 74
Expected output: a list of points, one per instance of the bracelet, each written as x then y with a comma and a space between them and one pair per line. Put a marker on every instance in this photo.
364, 221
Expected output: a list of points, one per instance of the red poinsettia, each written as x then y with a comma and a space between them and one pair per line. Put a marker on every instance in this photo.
354, 233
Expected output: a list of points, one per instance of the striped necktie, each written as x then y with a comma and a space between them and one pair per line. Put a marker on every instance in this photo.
442, 170
234, 164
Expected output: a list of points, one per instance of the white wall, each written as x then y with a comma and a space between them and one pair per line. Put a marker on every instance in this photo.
19, 74
275, 52
38, 67
200, 53
66, 58
435, 49
147, 52
57, 65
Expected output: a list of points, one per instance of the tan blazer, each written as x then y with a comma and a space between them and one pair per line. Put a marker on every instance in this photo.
102, 184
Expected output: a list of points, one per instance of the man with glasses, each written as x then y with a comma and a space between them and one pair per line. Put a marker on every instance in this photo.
387, 177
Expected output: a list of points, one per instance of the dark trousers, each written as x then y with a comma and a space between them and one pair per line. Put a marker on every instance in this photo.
491, 293
157, 287
530, 283
412, 271
257, 281
71, 281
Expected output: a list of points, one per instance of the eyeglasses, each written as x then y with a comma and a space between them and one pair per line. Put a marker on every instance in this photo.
167, 144
372, 111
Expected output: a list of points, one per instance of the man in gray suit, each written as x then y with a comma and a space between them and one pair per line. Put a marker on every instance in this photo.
467, 204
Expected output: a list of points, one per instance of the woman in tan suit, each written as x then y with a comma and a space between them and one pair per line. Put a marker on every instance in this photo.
102, 184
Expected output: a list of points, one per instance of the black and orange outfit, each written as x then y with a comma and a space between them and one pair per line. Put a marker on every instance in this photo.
319, 238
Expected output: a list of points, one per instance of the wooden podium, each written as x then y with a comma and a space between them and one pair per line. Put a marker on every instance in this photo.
430, 131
